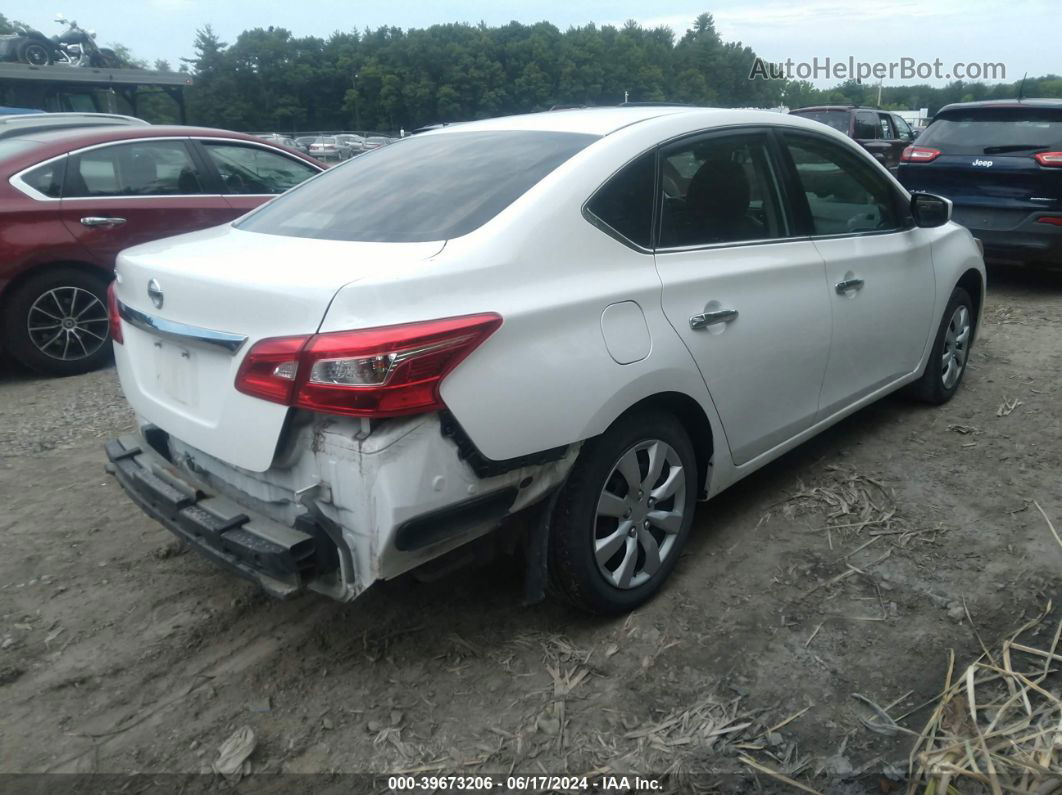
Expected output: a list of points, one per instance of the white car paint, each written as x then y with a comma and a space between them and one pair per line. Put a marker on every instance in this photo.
570, 358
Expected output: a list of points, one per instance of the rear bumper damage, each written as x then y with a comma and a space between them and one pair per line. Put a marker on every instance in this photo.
342, 506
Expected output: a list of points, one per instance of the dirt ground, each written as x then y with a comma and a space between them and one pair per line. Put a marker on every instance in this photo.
122, 652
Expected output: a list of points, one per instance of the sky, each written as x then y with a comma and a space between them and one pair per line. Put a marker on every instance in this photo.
970, 31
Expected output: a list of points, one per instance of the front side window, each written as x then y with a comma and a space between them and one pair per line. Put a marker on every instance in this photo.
866, 125
424, 188
719, 190
254, 170
903, 129
625, 202
844, 192
148, 168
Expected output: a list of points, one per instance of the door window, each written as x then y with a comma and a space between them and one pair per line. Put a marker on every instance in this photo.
719, 190
845, 194
253, 170
625, 202
866, 126
885, 125
149, 168
903, 129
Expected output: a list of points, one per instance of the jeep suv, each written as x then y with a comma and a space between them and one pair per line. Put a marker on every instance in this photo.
1000, 163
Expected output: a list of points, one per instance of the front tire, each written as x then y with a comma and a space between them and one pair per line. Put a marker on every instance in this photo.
624, 514
950, 353
56, 322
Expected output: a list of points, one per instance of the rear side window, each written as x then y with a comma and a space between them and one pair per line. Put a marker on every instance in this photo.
867, 126
844, 193
838, 119
625, 202
986, 131
47, 179
149, 168
430, 187
253, 170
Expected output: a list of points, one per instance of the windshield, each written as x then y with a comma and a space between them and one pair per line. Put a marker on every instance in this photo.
325, 141
432, 187
982, 131
838, 119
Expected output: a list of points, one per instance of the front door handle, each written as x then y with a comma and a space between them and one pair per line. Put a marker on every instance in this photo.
96, 220
702, 321
849, 284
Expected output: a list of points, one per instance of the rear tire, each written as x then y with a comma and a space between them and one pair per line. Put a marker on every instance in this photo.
34, 53
55, 322
950, 354
613, 542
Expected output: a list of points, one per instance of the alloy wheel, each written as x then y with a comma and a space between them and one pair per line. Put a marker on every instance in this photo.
956, 346
639, 513
67, 323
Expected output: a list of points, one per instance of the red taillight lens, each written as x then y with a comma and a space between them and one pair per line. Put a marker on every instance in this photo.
919, 154
1056, 220
114, 323
1049, 159
270, 368
379, 372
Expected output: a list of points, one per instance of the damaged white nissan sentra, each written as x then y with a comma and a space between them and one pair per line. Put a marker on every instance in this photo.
603, 314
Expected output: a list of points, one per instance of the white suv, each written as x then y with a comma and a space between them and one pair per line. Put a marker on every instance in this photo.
603, 314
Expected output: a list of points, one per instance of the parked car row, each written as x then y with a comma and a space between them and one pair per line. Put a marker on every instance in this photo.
331, 147
76, 191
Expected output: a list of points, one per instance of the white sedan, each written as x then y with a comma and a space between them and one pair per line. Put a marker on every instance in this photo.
601, 315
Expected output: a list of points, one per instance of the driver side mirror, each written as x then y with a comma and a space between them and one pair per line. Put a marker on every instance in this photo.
930, 211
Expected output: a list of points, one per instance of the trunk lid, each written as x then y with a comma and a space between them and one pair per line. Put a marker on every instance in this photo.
243, 286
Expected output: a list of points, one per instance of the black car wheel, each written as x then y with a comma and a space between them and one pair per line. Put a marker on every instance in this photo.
56, 322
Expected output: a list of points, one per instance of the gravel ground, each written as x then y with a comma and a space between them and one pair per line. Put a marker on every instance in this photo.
121, 652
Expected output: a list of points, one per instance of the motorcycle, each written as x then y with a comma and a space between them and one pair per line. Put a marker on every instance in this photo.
73, 47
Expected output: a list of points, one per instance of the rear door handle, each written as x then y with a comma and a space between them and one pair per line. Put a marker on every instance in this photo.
702, 321
96, 220
849, 284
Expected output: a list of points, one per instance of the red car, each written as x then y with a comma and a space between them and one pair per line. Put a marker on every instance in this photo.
71, 199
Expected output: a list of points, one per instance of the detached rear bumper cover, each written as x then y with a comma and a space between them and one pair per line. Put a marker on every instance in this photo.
278, 558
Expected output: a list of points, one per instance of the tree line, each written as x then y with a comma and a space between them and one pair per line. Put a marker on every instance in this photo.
269, 79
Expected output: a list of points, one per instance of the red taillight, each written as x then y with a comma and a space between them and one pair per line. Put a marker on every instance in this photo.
269, 369
114, 323
1049, 159
379, 372
919, 154
1050, 219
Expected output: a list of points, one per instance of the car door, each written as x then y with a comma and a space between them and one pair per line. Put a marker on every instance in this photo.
743, 291
252, 174
879, 269
118, 195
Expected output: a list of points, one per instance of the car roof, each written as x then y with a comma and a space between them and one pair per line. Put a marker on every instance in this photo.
1037, 102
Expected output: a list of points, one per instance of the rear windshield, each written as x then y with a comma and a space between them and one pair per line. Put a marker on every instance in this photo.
838, 119
986, 131
433, 187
